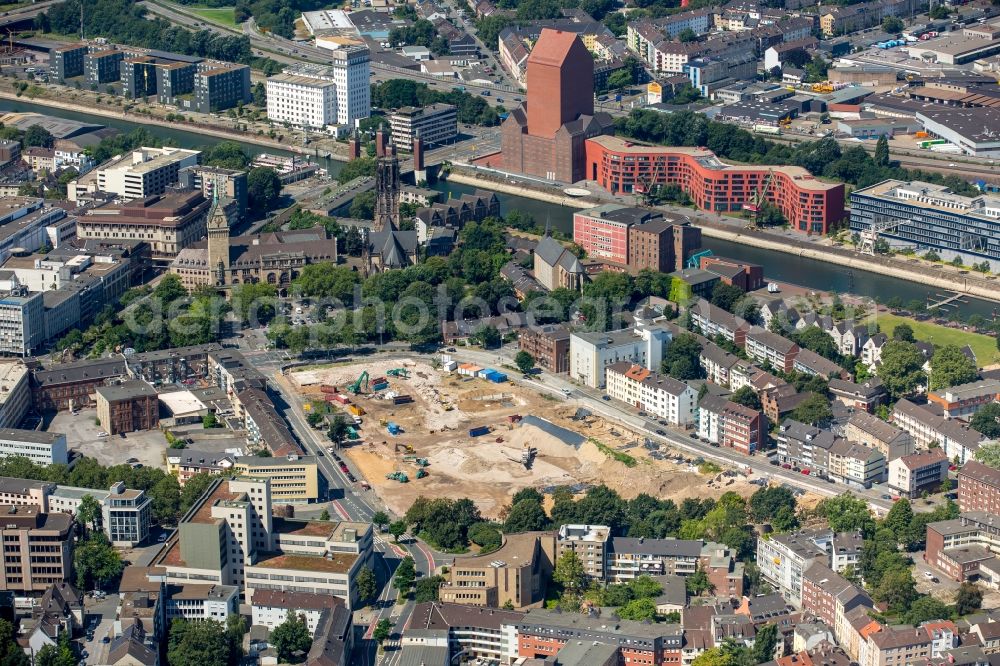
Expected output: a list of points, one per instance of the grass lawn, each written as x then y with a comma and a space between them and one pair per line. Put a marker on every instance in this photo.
221, 15
984, 346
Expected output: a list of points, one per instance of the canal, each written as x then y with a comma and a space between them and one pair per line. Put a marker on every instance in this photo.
779, 266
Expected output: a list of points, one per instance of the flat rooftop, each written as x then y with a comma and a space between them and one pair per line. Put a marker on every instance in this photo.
335, 563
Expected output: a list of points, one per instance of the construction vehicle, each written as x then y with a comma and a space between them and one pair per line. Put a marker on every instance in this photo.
356, 410
399, 372
360, 384
398, 476
394, 428
757, 201
421, 473
352, 433
419, 462
403, 447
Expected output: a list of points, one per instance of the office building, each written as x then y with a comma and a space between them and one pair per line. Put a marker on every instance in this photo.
784, 558
15, 393
301, 100
42, 448
22, 318
126, 514
479, 633
28, 223
590, 543
293, 478
434, 124
202, 602
591, 352
635, 237
103, 66
66, 62
218, 87
925, 216
270, 608
622, 166
230, 537
38, 549
517, 573
168, 222
141, 173
545, 136
352, 72
228, 184
958, 546
129, 406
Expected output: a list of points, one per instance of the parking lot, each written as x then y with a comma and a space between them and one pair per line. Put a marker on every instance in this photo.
99, 623
82, 435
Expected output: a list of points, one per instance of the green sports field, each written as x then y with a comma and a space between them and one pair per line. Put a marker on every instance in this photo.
984, 346
221, 15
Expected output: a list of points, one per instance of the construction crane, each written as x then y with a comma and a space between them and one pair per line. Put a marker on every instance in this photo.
757, 201
869, 237
361, 383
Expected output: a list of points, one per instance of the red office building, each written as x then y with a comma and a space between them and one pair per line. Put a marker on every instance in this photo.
620, 166
545, 136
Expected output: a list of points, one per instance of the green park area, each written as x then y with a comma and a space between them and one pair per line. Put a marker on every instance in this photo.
984, 346
220, 15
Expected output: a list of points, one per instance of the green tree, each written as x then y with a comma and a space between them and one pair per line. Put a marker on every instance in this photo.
367, 585
526, 515
686, 35
324, 514
846, 513
88, 513
927, 608
726, 296
380, 518
949, 367
893, 25
769, 501
382, 631
291, 639
194, 488
524, 361
747, 397
968, 599
255, 303
36, 135
209, 421
897, 589
698, 583
263, 189
638, 610
338, 429
882, 146
225, 155
902, 368
764, 643
96, 561
406, 574
60, 654
903, 333
569, 572
813, 410
487, 337
397, 529
987, 420
485, 535
680, 360
427, 589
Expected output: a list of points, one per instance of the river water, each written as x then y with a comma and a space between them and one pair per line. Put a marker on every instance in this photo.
809, 273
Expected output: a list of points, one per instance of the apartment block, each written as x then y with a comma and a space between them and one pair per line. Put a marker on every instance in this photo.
631, 557
590, 353
856, 464
66, 62
518, 573
543, 633
885, 438
590, 543
764, 346
919, 472
958, 441
784, 558
712, 320
826, 594
625, 167
900, 646
195, 601
479, 633
718, 364
660, 395
217, 88
964, 400
127, 407
731, 425
228, 184
979, 488
271, 607
804, 445
102, 67
38, 549
548, 345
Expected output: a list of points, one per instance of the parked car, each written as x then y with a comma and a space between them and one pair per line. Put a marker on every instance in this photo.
786, 466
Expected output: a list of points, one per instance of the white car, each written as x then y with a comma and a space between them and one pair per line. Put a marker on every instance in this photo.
928, 575
101, 433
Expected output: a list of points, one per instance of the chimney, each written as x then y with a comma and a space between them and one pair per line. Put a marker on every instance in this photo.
380, 141
418, 152
353, 148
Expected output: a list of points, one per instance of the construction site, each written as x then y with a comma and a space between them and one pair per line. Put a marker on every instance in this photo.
422, 430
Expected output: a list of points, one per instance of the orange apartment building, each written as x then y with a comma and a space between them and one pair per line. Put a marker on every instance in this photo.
621, 166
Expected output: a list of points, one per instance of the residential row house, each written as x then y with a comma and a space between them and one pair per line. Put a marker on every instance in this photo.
917, 473
927, 428
728, 424
660, 395
964, 400
885, 438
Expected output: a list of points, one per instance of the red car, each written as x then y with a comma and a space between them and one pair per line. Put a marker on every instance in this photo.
806, 471
786, 466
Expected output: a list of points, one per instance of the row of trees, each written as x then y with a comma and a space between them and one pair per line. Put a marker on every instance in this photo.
126, 22
824, 157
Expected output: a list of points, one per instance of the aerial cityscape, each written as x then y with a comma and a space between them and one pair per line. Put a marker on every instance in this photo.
521, 332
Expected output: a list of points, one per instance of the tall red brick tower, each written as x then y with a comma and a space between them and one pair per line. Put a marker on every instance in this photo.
353, 148
560, 82
380, 142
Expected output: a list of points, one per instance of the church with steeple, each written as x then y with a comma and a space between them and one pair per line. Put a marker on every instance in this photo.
386, 247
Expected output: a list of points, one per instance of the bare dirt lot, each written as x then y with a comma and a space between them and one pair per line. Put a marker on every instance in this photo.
489, 468
81, 431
